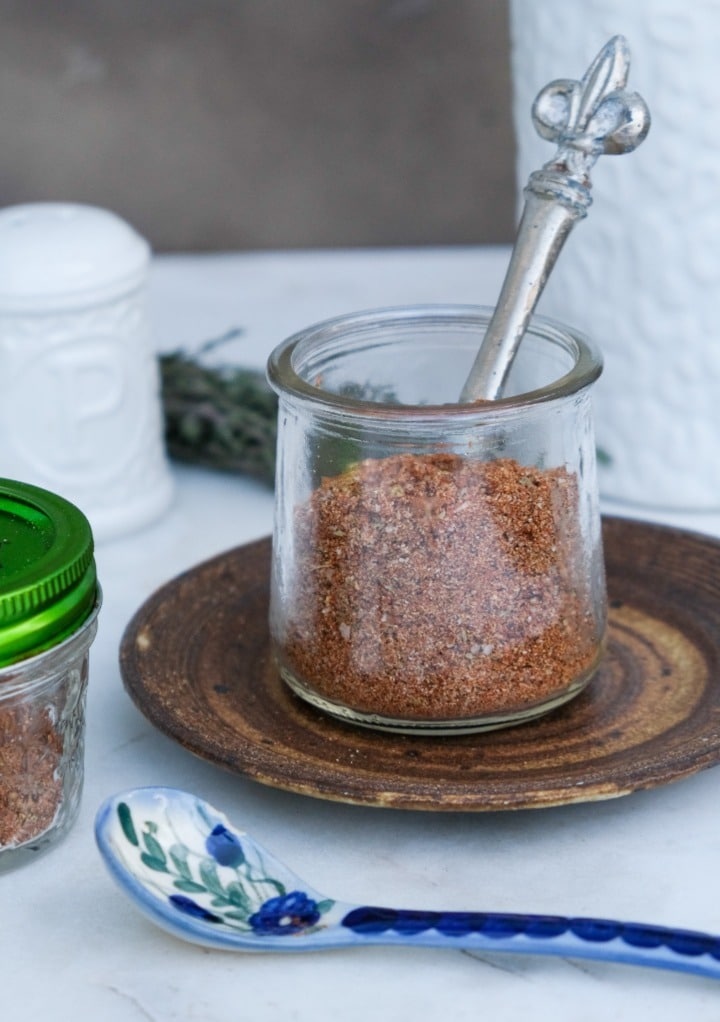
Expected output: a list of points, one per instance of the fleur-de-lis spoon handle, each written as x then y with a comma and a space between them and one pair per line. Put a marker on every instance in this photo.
585, 119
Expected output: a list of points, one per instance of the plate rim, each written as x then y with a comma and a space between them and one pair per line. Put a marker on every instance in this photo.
255, 765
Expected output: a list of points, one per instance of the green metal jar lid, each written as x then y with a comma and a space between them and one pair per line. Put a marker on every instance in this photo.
48, 582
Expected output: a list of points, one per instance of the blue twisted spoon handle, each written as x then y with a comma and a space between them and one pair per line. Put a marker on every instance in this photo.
602, 939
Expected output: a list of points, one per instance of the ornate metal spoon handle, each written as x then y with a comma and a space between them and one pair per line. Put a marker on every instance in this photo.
585, 119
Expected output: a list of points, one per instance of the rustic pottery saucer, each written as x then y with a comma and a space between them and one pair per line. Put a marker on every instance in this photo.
195, 659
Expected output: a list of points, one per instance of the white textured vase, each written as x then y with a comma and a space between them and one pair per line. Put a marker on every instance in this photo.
642, 274
80, 410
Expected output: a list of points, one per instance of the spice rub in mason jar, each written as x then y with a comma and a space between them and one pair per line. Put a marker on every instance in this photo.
439, 587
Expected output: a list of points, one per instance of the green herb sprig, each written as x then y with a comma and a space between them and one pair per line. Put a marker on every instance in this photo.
218, 417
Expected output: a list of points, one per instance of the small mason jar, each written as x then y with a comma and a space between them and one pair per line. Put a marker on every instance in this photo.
437, 567
49, 602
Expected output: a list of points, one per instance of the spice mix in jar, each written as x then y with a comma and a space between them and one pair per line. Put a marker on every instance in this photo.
49, 602
437, 566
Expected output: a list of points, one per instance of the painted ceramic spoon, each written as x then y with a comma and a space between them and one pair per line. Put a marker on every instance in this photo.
195, 875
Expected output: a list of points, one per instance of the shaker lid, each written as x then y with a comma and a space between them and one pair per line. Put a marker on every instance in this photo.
54, 255
48, 583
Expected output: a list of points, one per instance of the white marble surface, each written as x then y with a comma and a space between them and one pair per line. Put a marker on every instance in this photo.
73, 948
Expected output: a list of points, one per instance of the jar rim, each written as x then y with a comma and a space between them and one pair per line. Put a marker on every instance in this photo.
286, 380
40, 668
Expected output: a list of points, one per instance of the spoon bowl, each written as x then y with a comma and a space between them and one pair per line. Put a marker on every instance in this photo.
195, 875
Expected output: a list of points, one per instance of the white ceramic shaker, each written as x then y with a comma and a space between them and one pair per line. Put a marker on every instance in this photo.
641, 275
80, 409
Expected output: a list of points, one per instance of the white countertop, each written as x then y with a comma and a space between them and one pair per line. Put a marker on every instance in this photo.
72, 947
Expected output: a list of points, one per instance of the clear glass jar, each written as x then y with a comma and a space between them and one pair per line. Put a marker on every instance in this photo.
437, 568
49, 603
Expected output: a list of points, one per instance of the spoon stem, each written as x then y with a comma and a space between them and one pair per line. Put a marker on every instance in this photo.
599, 939
544, 226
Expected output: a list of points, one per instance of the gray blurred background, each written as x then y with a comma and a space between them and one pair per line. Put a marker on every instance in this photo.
245, 124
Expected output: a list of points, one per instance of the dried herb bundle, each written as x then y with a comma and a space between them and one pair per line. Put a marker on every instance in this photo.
219, 417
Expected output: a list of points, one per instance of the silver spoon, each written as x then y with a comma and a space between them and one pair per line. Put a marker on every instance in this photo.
586, 119
195, 875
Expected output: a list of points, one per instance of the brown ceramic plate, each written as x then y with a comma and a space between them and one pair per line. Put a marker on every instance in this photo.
195, 660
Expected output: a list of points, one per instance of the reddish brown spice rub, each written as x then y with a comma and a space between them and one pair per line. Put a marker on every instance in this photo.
31, 751
436, 587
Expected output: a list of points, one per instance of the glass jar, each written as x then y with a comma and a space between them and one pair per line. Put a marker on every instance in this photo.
437, 568
49, 602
